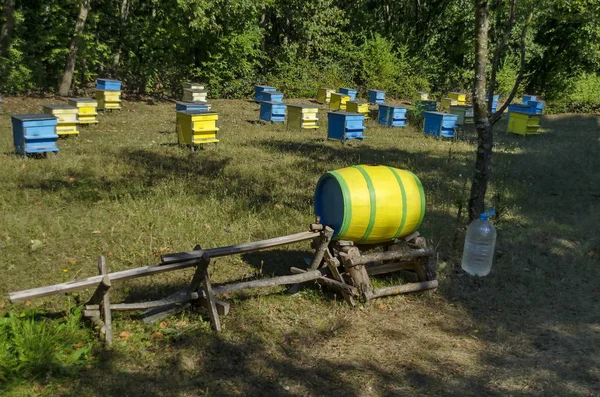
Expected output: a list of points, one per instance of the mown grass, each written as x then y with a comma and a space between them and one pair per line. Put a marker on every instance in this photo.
127, 191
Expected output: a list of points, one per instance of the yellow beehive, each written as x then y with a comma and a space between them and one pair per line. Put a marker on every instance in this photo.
195, 127
324, 95
303, 116
420, 96
108, 100
194, 95
447, 102
338, 101
67, 118
87, 110
459, 97
193, 86
523, 123
358, 107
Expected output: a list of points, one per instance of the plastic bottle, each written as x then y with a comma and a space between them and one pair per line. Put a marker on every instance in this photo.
479, 247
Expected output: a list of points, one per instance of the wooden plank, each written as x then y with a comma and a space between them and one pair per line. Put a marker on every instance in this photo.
342, 287
403, 289
105, 305
268, 282
208, 293
240, 248
158, 313
390, 255
101, 290
178, 297
390, 267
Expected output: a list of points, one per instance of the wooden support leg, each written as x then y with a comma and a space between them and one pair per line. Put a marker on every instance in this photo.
332, 265
102, 317
207, 297
323, 242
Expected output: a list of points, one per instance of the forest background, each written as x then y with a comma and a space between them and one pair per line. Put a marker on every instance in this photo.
399, 46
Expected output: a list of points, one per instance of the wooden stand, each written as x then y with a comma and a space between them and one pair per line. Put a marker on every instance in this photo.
339, 265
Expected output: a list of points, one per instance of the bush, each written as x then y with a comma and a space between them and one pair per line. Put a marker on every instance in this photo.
30, 346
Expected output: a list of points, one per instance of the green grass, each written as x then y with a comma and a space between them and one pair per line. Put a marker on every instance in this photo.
127, 191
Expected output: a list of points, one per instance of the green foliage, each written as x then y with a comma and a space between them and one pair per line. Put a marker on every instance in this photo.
31, 346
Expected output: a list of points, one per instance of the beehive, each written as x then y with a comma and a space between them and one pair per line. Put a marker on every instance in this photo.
34, 133
324, 95
272, 111
303, 116
439, 124
519, 108
420, 96
260, 89
392, 116
87, 110
423, 106
193, 86
338, 101
527, 98
202, 106
464, 114
271, 96
358, 107
197, 127
447, 103
108, 85
536, 107
495, 100
194, 95
350, 92
344, 126
524, 123
459, 97
108, 100
67, 118
376, 96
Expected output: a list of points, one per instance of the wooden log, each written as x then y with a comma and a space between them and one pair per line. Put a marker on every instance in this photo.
95, 280
359, 275
332, 264
100, 291
268, 282
208, 293
105, 312
222, 306
389, 255
324, 240
178, 297
158, 313
240, 248
385, 268
342, 287
403, 289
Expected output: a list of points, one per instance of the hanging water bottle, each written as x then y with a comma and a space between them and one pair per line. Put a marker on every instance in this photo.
479, 246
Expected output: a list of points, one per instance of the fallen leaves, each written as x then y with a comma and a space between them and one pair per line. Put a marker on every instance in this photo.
125, 335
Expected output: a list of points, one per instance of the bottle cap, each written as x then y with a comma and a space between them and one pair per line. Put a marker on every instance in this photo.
487, 214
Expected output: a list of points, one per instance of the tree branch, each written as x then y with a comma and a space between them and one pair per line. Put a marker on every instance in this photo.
498, 52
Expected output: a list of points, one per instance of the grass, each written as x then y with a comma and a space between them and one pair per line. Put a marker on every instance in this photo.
126, 191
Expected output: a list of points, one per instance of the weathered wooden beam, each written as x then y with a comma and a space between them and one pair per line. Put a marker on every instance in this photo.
239, 248
178, 297
332, 264
403, 289
389, 255
385, 268
268, 282
323, 242
359, 275
343, 287
105, 312
100, 291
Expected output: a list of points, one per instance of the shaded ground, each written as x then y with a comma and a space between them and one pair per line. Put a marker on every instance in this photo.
123, 189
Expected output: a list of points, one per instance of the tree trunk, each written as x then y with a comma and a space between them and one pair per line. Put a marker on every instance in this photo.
485, 139
502, 40
67, 79
123, 20
7, 28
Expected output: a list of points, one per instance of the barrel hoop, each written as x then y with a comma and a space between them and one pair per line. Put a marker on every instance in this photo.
404, 203
372, 200
422, 199
347, 203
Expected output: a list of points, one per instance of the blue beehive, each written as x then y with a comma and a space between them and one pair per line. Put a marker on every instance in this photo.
348, 91
439, 124
527, 98
344, 126
271, 96
392, 116
519, 108
536, 107
272, 111
203, 106
495, 100
34, 133
259, 89
108, 85
376, 96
